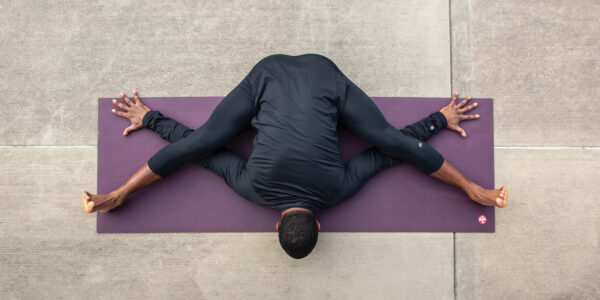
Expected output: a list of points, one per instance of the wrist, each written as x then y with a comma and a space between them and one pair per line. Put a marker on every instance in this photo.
443, 118
145, 118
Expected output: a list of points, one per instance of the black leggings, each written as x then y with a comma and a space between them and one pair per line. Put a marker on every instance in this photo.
357, 112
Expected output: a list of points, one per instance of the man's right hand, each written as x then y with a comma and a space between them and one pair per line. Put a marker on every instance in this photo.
455, 113
134, 112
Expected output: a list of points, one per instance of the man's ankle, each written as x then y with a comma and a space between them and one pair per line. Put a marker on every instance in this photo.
470, 188
120, 193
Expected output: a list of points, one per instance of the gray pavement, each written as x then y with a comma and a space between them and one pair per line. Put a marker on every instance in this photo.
538, 60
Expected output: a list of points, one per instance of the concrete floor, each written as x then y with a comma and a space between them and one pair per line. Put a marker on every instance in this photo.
538, 60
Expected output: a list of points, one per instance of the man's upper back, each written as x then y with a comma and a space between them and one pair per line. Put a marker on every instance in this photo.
296, 152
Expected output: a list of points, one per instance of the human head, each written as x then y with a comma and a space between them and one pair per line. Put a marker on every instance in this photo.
298, 232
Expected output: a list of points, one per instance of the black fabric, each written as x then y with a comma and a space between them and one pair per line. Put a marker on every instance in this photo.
298, 233
296, 104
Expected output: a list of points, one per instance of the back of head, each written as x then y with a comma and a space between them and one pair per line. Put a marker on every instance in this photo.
298, 233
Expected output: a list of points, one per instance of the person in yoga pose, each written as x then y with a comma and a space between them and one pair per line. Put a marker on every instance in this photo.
295, 103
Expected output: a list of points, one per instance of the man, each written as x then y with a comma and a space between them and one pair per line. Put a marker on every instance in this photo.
295, 103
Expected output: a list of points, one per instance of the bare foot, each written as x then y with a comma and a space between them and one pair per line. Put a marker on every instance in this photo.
497, 197
102, 203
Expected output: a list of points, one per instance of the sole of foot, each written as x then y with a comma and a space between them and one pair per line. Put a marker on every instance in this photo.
502, 198
88, 204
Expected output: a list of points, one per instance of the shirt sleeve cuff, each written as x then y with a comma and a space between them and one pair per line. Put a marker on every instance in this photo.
148, 119
440, 119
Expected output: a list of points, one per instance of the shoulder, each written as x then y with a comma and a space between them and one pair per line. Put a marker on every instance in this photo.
271, 58
320, 58
312, 57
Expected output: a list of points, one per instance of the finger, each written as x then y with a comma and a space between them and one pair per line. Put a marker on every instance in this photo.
136, 96
464, 101
461, 132
467, 108
128, 130
119, 113
126, 99
453, 101
469, 117
121, 105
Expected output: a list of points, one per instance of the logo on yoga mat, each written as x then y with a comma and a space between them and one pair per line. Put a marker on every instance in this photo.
482, 219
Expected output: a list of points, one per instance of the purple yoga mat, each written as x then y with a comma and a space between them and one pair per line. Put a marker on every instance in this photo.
195, 199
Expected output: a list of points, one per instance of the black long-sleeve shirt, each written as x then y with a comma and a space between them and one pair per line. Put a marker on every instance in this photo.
295, 160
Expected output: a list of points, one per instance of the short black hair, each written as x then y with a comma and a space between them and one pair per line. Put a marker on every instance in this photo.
298, 233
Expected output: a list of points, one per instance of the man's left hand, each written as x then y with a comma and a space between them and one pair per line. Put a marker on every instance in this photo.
455, 113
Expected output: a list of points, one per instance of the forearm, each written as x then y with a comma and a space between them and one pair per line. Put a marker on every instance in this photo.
167, 128
426, 127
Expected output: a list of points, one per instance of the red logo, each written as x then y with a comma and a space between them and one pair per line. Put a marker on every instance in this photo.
482, 219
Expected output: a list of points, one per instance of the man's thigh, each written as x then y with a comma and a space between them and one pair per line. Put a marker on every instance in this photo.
360, 168
232, 168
